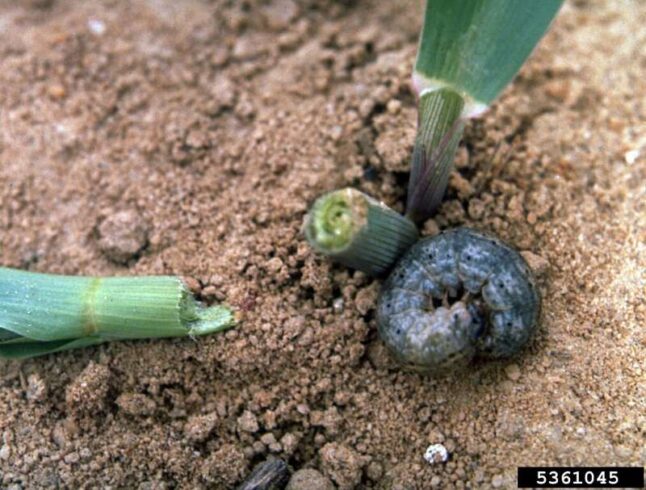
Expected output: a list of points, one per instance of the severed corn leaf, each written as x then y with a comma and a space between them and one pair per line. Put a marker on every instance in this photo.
43, 313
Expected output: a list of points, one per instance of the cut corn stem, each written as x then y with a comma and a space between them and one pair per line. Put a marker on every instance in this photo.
43, 313
439, 132
359, 231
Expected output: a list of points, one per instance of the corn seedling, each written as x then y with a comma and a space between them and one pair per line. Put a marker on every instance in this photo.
43, 313
469, 50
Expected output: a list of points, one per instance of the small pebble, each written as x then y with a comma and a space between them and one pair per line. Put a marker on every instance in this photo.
270, 441
71, 458
122, 236
379, 356
259, 448
436, 453
199, 427
136, 404
366, 298
342, 464
393, 106
624, 452
87, 392
430, 228
274, 265
513, 372
209, 292
535, 262
5, 452
374, 471
36, 388
220, 55
248, 422
56, 91
336, 132
309, 479
366, 107
97, 27
337, 305
631, 156
289, 442
342, 398
192, 284
279, 14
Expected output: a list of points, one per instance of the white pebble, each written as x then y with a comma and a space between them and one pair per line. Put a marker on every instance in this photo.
338, 305
436, 453
631, 156
5, 452
96, 26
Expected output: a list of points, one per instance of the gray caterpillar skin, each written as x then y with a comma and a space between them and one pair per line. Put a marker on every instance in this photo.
495, 309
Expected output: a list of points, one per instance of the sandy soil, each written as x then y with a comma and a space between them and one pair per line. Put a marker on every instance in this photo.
209, 128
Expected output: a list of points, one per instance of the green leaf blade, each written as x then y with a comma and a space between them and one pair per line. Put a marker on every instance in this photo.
477, 46
25, 350
29, 301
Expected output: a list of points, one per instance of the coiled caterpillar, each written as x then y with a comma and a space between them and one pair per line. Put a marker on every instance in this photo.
456, 295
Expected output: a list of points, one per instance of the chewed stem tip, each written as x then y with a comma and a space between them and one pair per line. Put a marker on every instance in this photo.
358, 231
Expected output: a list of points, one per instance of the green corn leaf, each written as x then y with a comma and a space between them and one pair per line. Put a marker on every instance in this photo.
43, 313
23, 350
475, 47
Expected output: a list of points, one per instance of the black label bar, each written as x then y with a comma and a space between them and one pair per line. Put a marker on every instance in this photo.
582, 477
